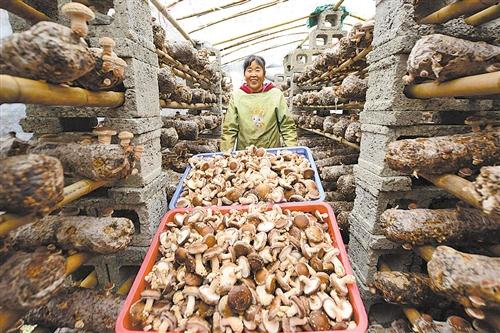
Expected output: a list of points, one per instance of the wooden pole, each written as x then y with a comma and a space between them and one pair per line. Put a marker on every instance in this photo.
262, 50
489, 14
90, 281
181, 67
455, 10
347, 106
242, 13
214, 9
20, 90
333, 137
9, 222
73, 262
261, 30
263, 40
23, 10
251, 39
469, 86
172, 4
125, 286
338, 4
458, 186
172, 20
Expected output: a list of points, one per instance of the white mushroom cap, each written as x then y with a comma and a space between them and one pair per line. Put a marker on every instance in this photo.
271, 326
265, 299
235, 323
208, 295
310, 285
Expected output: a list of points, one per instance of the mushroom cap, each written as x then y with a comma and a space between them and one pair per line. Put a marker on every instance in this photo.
249, 227
75, 8
212, 252
315, 234
301, 221
107, 41
310, 285
151, 293
208, 295
193, 279
302, 269
241, 248
125, 135
256, 262
196, 324
308, 173
197, 248
240, 298
319, 320
263, 190
103, 129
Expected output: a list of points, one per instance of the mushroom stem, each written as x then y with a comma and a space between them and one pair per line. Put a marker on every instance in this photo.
78, 14
190, 305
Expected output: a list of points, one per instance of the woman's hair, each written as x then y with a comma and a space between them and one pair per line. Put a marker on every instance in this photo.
260, 61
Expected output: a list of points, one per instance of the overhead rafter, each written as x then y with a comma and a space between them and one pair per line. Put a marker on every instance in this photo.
244, 12
251, 39
164, 11
213, 9
266, 49
265, 40
261, 30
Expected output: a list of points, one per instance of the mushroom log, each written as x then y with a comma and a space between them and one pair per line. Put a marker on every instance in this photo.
90, 309
30, 183
441, 226
29, 280
82, 233
487, 185
444, 154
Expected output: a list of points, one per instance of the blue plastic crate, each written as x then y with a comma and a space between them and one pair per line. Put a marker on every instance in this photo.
304, 151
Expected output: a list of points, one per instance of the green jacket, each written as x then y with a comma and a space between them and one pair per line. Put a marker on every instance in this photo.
259, 119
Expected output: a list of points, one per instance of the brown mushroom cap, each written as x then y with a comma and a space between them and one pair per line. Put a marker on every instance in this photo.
75, 8
125, 135
241, 248
256, 262
319, 321
197, 248
301, 221
263, 190
212, 252
239, 298
314, 234
308, 173
193, 279
150, 293
302, 269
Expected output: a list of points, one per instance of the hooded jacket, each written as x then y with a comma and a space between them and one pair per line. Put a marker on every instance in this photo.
261, 119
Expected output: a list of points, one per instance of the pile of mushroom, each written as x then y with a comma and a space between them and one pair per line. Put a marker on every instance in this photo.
271, 271
248, 177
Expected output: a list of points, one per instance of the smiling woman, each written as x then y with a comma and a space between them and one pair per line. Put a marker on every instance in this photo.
257, 113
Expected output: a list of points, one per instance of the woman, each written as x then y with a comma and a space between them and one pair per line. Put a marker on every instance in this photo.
257, 113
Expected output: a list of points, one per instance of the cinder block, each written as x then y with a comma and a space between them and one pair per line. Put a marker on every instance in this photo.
383, 184
118, 273
322, 39
385, 91
329, 19
359, 229
127, 48
396, 18
84, 270
370, 203
134, 125
138, 195
300, 58
376, 138
46, 125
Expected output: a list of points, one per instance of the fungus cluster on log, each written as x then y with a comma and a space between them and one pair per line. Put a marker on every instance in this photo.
172, 89
344, 126
247, 177
259, 270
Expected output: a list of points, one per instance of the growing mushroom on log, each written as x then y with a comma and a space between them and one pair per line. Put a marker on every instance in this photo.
109, 70
332, 173
158, 34
444, 154
440, 226
103, 235
336, 160
353, 87
337, 196
341, 206
29, 280
487, 185
329, 122
407, 289
346, 184
195, 147
92, 161
169, 137
170, 88
343, 220
341, 126
426, 324
50, 51
444, 58
30, 183
470, 279
89, 309
328, 151
187, 129
353, 132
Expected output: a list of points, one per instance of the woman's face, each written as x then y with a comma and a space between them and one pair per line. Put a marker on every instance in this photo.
254, 76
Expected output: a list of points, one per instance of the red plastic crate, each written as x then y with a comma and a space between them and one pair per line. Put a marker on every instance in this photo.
123, 322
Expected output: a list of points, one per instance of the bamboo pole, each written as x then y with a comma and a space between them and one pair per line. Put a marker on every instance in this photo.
8, 318
242, 13
469, 86
213, 9
489, 14
251, 39
172, 20
172, 4
264, 40
426, 252
333, 137
24, 11
90, 281
9, 222
261, 30
262, 50
125, 286
177, 105
455, 10
347, 106
181, 67
458, 186
306, 38
20, 90
73, 262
